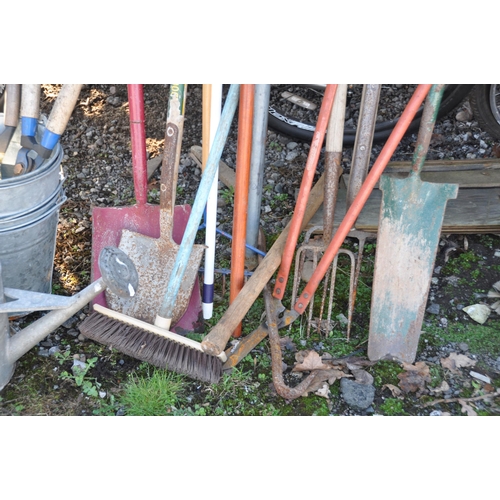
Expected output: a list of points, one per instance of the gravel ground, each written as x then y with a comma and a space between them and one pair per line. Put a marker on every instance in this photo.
97, 164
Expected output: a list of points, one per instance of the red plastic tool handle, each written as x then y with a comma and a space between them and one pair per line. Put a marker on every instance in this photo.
359, 201
138, 139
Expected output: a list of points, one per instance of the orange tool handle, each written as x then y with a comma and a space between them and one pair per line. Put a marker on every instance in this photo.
359, 201
305, 188
243, 155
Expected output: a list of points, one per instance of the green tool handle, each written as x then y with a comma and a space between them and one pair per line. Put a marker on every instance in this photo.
429, 117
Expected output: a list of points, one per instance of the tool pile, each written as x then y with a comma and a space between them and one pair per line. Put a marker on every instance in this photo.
151, 322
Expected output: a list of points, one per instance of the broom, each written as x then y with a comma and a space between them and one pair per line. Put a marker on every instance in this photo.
152, 343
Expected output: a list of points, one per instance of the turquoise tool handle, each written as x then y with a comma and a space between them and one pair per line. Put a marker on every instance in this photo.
186, 246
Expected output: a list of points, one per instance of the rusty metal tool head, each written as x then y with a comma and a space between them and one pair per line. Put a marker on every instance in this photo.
311, 250
305, 188
154, 257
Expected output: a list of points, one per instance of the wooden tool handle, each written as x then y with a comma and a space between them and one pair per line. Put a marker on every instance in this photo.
30, 100
215, 342
12, 104
333, 159
172, 151
63, 108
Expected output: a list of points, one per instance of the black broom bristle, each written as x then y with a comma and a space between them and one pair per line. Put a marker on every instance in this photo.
147, 346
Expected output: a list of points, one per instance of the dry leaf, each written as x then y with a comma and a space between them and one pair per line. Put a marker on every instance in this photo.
287, 343
467, 409
311, 362
496, 286
300, 355
456, 361
414, 378
324, 391
323, 376
444, 387
419, 366
496, 306
396, 391
362, 377
355, 362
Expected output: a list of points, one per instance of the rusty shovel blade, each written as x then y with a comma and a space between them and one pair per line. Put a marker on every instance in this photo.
154, 259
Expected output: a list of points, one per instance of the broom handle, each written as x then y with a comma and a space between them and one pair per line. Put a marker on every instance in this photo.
164, 317
362, 196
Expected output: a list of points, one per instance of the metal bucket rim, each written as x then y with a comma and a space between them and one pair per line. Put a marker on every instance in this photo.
40, 218
26, 213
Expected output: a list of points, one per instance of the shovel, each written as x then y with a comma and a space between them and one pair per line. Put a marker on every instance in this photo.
143, 218
154, 257
108, 222
411, 217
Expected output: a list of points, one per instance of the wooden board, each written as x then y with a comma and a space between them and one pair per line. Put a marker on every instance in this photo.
465, 173
474, 211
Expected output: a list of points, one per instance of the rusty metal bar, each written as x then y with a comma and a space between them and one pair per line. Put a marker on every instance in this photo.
364, 139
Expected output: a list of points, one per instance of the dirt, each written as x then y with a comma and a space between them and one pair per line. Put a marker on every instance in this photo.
97, 166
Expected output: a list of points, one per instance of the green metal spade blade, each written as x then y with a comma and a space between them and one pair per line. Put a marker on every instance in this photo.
408, 236
411, 218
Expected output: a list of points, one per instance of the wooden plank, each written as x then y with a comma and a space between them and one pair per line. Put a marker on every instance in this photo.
467, 173
226, 174
474, 211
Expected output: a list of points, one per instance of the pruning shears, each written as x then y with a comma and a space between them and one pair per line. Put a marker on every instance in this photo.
32, 154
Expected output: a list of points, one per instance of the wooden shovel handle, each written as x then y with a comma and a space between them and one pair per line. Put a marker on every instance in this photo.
172, 151
30, 100
12, 104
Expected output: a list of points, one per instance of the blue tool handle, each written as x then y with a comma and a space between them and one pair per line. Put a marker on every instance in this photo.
167, 308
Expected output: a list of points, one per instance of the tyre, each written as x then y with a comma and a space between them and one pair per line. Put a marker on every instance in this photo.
293, 109
485, 103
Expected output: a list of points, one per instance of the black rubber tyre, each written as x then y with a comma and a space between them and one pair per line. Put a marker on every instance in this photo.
281, 122
485, 103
